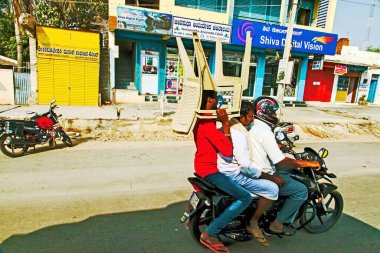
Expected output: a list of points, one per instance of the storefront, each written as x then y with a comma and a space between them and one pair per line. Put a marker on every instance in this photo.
268, 41
68, 69
148, 54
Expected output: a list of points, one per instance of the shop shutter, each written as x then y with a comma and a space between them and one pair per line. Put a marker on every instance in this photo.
45, 80
61, 81
76, 83
91, 83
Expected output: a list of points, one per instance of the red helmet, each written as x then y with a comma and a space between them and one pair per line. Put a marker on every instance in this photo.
265, 109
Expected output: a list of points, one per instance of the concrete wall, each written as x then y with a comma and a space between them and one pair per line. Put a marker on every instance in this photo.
6, 87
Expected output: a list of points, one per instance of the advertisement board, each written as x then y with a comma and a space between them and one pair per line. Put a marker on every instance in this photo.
184, 27
274, 36
340, 70
144, 21
67, 44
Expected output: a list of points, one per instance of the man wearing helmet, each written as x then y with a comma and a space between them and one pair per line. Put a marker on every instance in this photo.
268, 157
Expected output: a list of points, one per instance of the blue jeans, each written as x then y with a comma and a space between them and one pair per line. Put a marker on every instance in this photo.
296, 193
242, 196
257, 186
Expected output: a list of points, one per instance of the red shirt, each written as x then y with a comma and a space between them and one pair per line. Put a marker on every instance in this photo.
209, 141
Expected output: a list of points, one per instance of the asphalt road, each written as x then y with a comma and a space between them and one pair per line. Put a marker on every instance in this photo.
129, 196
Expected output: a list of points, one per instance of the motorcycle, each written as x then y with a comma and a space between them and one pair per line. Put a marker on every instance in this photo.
285, 136
20, 135
318, 214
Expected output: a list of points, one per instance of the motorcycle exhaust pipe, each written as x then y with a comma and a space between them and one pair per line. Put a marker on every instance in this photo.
24, 142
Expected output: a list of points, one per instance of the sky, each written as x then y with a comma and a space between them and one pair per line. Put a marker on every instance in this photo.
351, 21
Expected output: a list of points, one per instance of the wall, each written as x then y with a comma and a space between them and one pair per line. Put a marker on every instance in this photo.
6, 87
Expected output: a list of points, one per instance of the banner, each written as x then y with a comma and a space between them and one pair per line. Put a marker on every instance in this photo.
274, 36
144, 21
340, 70
67, 44
184, 27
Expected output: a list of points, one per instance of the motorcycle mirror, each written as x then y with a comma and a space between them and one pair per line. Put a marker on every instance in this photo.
52, 101
323, 153
29, 112
280, 136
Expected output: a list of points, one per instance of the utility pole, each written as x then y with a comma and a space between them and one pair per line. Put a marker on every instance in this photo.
287, 48
366, 40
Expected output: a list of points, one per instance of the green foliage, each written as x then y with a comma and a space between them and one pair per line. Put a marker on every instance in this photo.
70, 14
8, 45
374, 49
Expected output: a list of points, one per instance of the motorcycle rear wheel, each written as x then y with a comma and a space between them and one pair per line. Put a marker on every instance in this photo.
66, 139
9, 149
198, 223
323, 222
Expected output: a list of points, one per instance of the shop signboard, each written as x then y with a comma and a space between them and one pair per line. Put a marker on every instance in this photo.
64, 44
340, 70
208, 31
274, 36
144, 21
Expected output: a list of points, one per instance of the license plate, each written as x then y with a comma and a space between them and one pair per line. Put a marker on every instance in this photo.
194, 200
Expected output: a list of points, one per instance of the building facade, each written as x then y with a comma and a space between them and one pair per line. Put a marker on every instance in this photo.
144, 55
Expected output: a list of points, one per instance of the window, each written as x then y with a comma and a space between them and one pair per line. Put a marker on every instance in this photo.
304, 13
150, 4
208, 5
258, 10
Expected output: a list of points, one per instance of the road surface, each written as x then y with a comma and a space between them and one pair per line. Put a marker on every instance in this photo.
129, 196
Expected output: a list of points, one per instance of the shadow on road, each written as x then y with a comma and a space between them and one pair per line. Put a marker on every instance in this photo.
159, 231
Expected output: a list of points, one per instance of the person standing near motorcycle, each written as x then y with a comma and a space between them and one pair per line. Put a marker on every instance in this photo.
209, 141
241, 170
268, 157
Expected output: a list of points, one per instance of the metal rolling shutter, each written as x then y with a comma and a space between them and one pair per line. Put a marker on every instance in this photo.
61, 82
45, 80
91, 83
77, 74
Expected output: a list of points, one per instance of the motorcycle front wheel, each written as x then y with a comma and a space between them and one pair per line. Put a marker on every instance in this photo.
198, 223
66, 139
323, 221
10, 149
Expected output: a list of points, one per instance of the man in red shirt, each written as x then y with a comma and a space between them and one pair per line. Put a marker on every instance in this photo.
209, 141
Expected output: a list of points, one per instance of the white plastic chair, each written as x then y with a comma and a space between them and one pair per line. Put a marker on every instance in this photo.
193, 86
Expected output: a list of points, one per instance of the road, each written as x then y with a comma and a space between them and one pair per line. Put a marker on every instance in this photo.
128, 197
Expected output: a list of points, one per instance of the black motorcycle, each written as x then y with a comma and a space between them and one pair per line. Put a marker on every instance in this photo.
318, 214
20, 135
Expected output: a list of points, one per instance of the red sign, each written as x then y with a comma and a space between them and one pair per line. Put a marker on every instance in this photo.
340, 70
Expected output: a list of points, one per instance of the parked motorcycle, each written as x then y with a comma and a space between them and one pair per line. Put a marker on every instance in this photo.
285, 135
318, 214
20, 135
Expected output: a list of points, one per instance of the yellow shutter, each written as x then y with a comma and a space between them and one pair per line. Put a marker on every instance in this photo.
91, 83
45, 80
77, 83
61, 82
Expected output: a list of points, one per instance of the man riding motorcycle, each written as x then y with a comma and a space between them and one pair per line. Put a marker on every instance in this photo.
268, 157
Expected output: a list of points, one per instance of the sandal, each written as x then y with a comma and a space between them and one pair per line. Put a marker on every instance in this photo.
287, 231
216, 247
256, 232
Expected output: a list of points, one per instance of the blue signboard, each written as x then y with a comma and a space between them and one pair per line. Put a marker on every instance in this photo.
144, 21
274, 36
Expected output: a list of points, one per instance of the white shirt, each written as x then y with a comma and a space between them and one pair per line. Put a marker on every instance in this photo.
241, 158
265, 151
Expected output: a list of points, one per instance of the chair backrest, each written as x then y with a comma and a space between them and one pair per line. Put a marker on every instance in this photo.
193, 86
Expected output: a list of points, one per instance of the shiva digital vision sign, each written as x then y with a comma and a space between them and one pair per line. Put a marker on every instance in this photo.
274, 36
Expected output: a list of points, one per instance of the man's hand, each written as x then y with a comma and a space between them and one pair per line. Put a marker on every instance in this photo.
222, 115
278, 180
275, 179
315, 165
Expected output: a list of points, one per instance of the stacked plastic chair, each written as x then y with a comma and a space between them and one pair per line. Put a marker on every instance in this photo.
193, 86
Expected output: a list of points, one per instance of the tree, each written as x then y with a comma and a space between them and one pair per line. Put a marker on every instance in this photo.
8, 46
374, 49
